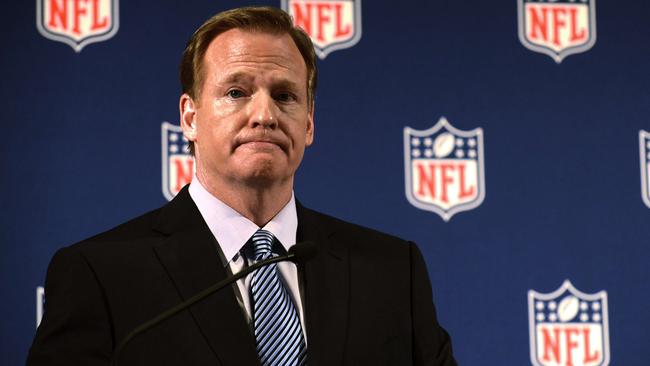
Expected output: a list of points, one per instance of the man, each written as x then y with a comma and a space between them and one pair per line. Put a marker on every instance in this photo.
247, 109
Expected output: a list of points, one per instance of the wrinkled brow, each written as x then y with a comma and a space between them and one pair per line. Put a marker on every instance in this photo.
287, 84
237, 77
244, 77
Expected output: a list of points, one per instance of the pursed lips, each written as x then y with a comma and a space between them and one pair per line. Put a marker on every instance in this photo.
260, 144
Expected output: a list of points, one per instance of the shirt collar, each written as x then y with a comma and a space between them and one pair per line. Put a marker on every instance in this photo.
232, 230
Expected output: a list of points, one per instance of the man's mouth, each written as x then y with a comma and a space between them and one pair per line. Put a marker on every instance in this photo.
261, 144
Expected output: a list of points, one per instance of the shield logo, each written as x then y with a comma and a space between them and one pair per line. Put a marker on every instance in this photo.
557, 28
331, 24
644, 150
568, 327
444, 168
77, 23
177, 163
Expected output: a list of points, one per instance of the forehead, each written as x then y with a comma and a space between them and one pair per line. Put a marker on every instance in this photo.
240, 51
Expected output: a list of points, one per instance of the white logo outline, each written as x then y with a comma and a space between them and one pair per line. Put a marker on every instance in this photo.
40, 300
644, 139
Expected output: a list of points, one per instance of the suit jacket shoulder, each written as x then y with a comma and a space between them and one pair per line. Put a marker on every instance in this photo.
98, 290
355, 236
370, 291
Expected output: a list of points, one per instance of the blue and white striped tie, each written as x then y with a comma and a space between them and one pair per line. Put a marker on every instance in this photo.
278, 332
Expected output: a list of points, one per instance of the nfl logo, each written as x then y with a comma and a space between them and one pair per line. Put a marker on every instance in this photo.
177, 163
568, 327
77, 22
558, 28
331, 24
644, 148
444, 168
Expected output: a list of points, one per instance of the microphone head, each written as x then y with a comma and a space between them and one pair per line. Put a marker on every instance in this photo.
303, 251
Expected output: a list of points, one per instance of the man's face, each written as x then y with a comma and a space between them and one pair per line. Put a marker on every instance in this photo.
252, 121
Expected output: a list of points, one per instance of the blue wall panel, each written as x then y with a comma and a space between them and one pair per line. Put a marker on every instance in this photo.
82, 153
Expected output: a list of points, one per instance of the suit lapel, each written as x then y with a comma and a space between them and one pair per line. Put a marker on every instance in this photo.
190, 256
326, 284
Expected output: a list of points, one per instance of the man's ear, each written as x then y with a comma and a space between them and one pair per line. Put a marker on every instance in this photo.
310, 126
187, 108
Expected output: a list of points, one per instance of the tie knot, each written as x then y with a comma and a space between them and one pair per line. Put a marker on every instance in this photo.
262, 243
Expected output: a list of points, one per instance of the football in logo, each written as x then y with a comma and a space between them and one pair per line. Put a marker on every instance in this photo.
444, 169
77, 22
331, 24
558, 28
177, 163
568, 327
644, 148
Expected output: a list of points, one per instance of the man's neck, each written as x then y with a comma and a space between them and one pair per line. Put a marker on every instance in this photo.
257, 202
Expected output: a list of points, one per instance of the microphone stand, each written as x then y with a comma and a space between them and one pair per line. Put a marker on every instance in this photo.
194, 299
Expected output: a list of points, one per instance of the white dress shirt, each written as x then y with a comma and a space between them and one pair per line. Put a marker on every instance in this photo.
232, 231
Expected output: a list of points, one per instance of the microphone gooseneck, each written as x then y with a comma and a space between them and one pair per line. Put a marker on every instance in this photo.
299, 254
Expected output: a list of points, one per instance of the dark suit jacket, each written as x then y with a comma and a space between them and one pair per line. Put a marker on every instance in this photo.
366, 296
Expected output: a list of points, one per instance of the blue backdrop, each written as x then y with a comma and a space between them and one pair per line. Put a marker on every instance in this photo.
563, 197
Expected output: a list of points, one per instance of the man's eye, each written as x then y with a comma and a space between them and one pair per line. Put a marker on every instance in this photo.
235, 93
285, 97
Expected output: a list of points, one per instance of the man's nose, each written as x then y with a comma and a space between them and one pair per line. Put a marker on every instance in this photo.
263, 111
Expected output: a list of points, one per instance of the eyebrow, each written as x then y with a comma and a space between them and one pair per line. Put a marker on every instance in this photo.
240, 76
237, 77
285, 83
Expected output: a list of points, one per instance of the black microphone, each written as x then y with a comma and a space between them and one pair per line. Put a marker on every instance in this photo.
299, 254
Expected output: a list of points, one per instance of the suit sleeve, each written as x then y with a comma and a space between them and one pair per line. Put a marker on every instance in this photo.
431, 343
75, 329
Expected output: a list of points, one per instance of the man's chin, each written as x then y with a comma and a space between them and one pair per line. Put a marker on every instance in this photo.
264, 180
264, 173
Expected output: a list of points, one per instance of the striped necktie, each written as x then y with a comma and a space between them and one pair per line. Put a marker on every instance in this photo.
278, 333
